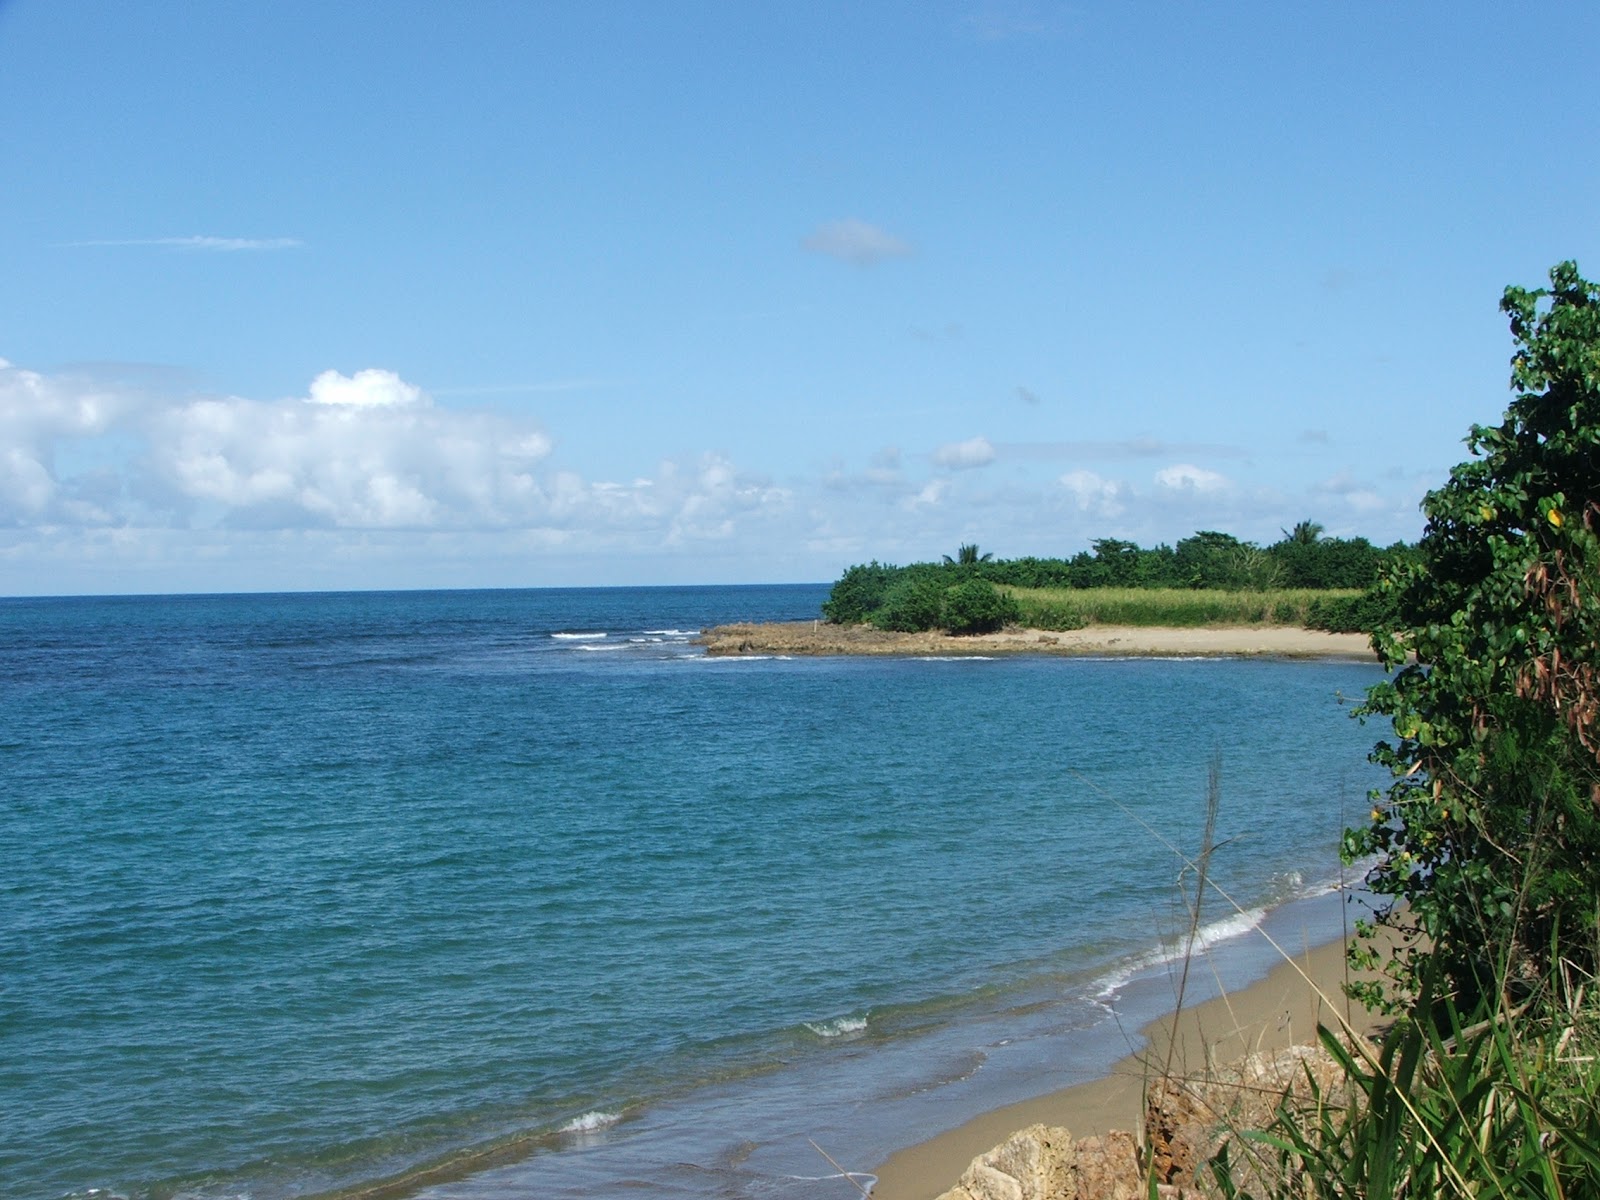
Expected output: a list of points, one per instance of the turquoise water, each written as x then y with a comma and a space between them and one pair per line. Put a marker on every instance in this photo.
308, 891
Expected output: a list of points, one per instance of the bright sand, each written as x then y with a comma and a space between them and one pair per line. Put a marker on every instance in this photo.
1279, 1011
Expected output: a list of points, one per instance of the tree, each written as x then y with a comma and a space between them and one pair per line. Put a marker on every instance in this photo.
859, 592
1207, 559
1305, 533
967, 556
1490, 832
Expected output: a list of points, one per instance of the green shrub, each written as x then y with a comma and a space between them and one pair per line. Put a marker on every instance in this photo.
1351, 614
859, 593
977, 606
913, 604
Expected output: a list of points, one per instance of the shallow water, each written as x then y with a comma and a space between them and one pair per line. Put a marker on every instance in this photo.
306, 891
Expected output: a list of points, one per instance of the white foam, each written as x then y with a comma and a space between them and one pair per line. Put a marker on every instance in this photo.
598, 646
1204, 938
955, 658
838, 1027
591, 1121
578, 637
672, 633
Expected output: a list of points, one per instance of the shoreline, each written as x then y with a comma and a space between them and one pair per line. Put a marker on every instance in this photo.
818, 638
1276, 1012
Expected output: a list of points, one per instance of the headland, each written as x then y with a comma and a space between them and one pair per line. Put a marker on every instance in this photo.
1094, 641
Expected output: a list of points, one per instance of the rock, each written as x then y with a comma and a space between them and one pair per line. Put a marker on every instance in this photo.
1032, 1164
1045, 1162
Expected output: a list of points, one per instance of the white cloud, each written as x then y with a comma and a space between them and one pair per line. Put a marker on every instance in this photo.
1096, 494
366, 451
371, 388
961, 456
104, 489
362, 452
855, 241
1186, 477
200, 242
41, 419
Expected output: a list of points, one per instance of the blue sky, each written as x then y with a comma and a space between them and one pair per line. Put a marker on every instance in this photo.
310, 295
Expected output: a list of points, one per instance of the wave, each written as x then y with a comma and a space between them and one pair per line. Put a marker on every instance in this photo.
838, 1027
591, 1122
598, 646
1204, 938
672, 633
955, 658
578, 637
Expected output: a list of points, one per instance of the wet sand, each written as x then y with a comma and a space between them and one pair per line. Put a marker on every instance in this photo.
1117, 641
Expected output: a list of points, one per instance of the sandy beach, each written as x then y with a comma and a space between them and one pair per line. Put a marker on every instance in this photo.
821, 638
1281, 1010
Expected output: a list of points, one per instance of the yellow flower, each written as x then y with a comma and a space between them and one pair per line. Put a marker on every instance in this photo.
1377, 814
1556, 518
1488, 513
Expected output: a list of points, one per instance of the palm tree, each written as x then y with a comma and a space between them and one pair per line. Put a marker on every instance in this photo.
967, 556
1303, 534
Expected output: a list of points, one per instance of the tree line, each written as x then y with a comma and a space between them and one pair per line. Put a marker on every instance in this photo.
910, 597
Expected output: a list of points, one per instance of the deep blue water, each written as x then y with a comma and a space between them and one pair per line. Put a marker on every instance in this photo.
303, 891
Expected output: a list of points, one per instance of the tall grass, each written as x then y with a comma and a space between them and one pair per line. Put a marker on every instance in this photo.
1074, 608
1506, 1107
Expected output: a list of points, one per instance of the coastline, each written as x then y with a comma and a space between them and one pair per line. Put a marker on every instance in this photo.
818, 638
1276, 1012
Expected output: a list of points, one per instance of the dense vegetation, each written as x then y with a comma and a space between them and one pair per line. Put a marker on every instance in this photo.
1305, 578
1487, 843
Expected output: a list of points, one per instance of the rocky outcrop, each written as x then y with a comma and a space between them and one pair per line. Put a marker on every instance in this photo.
1046, 1162
1186, 1121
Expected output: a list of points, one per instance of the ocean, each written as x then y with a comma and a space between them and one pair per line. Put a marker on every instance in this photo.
498, 893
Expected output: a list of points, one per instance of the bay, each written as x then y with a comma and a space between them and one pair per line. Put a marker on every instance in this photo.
309, 891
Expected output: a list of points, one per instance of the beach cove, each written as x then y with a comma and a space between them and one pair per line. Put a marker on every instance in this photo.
484, 893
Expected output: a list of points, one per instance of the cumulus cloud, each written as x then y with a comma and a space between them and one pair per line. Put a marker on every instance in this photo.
1096, 494
200, 242
41, 419
855, 241
961, 456
371, 388
367, 452
1186, 477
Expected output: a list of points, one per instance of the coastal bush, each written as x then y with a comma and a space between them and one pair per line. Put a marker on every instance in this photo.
914, 603
977, 606
859, 593
1360, 613
1487, 843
